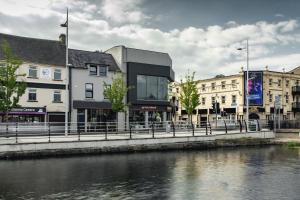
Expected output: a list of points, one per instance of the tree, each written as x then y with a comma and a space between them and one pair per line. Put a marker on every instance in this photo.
189, 96
115, 93
11, 86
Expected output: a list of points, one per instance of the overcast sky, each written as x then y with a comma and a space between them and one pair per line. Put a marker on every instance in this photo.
201, 36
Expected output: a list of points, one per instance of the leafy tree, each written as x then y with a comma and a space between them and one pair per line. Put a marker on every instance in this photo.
115, 93
189, 96
11, 86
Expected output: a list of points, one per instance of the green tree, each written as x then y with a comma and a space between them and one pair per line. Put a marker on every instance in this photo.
189, 95
11, 86
115, 93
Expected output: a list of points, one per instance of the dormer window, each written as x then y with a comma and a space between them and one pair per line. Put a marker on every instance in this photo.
93, 70
102, 70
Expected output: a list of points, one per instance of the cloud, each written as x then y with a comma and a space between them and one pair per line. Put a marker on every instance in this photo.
122, 11
207, 50
279, 15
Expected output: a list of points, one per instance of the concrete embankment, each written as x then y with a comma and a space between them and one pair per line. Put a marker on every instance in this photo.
35, 150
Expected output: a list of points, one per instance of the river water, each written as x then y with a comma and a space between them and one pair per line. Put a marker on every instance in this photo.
246, 173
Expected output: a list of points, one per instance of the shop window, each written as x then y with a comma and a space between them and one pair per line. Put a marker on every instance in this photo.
89, 90
93, 70
57, 97
102, 70
32, 72
32, 95
57, 74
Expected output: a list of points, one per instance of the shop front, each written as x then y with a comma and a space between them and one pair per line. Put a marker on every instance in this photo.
25, 114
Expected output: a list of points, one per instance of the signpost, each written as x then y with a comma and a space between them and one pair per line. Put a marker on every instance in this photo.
277, 106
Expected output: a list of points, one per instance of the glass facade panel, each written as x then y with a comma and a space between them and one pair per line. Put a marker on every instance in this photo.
152, 88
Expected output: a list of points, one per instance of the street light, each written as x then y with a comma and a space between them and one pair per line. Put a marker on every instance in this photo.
66, 25
247, 82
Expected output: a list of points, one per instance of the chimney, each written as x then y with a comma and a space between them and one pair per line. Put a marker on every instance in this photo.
62, 38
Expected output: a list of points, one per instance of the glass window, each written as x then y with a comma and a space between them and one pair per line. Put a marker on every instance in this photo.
213, 86
88, 90
109, 86
57, 96
287, 82
233, 83
93, 70
57, 74
32, 95
32, 73
223, 83
223, 99
203, 87
279, 83
270, 97
102, 70
287, 97
270, 82
233, 99
213, 99
203, 101
152, 88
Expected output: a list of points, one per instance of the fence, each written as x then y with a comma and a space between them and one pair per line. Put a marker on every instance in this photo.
113, 130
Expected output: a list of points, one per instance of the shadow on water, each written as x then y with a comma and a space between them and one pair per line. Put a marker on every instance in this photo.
246, 173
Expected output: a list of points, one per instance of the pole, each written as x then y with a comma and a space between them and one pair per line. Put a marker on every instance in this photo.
67, 75
216, 110
247, 86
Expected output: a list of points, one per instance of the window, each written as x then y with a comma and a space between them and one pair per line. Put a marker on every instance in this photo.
32, 73
203, 87
287, 97
223, 83
223, 98
57, 74
270, 97
203, 100
152, 88
32, 95
57, 96
233, 83
213, 99
287, 83
102, 71
177, 90
213, 86
297, 82
233, 99
270, 82
279, 82
88, 90
93, 70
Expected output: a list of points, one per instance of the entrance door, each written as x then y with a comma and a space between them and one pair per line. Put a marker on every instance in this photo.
80, 119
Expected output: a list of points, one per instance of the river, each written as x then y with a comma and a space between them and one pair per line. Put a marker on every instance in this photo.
258, 173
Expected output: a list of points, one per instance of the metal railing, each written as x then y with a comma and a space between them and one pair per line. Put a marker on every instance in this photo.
46, 132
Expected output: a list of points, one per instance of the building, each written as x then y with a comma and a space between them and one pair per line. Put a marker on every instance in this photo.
44, 66
88, 72
229, 93
148, 73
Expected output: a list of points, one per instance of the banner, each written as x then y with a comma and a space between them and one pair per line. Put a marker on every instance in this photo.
255, 84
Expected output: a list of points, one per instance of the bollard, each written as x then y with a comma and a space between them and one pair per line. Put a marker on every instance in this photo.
16, 132
49, 132
246, 126
225, 127
79, 134
130, 131
206, 133
173, 126
152, 130
193, 129
106, 130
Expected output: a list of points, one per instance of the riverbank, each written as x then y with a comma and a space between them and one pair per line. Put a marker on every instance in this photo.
69, 148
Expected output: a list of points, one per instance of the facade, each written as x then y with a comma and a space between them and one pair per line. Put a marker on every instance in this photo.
88, 72
148, 73
229, 93
44, 69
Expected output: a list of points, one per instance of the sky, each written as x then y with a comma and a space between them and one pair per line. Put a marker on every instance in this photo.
199, 35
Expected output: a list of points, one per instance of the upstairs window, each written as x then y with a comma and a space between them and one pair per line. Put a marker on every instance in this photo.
233, 99
93, 70
233, 83
270, 98
32, 95
223, 83
203, 101
279, 83
105, 97
32, 72
89, 90
102, 71
57, 96
213, 86
203, 87
223, 99
270, 82
287, 83
287, 97
57, 74
213, 99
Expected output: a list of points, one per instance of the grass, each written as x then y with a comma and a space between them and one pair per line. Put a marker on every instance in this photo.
293, 145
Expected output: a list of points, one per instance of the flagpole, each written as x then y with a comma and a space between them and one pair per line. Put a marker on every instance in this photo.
67, 75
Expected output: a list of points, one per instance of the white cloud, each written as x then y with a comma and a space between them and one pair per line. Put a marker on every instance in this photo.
98, 26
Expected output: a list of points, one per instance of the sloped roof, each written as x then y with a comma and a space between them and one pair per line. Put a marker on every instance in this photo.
79, 59
35, 50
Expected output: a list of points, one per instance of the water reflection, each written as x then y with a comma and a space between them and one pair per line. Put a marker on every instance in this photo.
252, 173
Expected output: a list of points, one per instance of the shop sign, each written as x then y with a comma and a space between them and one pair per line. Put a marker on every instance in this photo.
26, 109
149, 108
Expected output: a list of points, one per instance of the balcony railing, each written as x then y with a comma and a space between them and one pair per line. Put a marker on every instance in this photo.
296, 90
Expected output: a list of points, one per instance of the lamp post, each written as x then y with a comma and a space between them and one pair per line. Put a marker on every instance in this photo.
66, 25
247, 82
